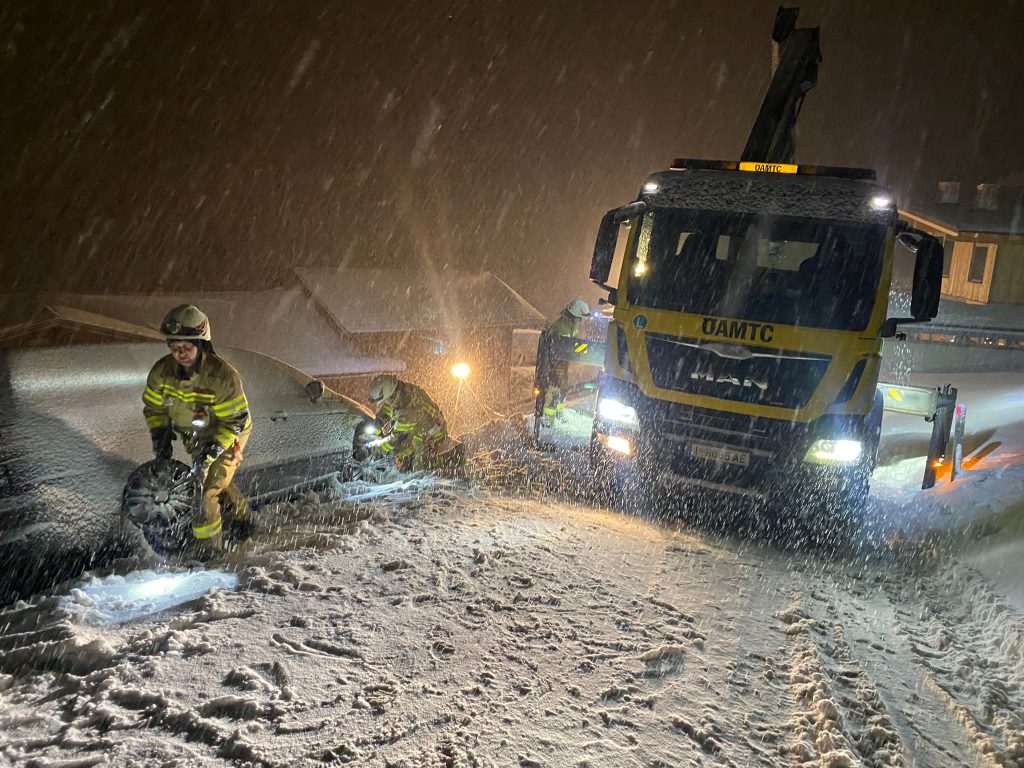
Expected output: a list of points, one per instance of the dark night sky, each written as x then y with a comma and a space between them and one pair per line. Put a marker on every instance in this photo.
178, 145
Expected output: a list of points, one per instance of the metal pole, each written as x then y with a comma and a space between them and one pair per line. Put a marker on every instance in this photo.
959, 426
942, 421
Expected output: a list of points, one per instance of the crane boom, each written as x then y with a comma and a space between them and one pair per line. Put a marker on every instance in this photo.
772, 137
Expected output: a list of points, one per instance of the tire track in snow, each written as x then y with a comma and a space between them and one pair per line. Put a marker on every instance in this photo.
844, 721
968, 647
479, 630
930, 734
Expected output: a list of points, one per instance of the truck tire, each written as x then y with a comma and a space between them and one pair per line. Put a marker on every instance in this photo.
839, 525
622, 485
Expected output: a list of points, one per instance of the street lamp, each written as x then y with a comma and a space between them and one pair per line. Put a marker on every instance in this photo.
461, 372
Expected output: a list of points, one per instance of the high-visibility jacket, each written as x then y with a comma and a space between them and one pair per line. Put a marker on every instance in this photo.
411, 414
555, 373
214, 391
563, 325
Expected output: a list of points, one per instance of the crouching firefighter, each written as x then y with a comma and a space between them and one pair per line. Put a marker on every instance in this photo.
412, 428
553, 374
195, 394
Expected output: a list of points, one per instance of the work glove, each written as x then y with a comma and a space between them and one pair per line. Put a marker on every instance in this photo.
434, 437
209, 453
162, 437
203, 459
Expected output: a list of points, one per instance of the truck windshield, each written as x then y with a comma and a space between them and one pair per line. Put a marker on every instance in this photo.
791, 271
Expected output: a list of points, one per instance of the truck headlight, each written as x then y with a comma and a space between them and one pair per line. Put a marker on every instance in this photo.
619, 444
834, 452
617, 411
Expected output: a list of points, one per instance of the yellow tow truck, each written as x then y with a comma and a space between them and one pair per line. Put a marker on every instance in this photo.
749, 312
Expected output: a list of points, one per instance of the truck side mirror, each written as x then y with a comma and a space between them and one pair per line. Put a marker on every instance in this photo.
604, 248
924, 299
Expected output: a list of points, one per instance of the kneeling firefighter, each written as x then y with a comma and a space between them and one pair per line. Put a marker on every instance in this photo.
553, 375
196, 394
412, 428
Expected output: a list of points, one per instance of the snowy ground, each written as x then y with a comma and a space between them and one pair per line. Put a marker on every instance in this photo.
980, 516
495, 622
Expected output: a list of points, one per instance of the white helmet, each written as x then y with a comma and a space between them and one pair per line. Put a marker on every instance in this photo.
382, 387
579, 309
186, 322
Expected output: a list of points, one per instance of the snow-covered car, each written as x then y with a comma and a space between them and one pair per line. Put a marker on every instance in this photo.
71, 431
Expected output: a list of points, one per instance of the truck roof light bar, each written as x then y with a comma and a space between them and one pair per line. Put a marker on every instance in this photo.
832, 171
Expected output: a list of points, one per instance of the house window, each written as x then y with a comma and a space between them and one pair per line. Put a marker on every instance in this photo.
987, 197
947, 257
976, 274
949, 192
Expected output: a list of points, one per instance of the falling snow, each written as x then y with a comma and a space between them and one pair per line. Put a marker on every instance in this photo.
417, 173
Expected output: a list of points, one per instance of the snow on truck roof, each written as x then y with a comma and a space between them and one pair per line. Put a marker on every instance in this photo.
387, 301
849, 198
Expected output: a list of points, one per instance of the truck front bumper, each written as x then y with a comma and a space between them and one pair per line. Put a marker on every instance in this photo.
766, 459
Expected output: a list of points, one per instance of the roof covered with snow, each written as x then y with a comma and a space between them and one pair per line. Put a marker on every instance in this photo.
380, 300
283, 323
964, 217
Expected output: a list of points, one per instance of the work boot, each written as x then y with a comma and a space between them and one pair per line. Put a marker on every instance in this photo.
241, 529
206, 550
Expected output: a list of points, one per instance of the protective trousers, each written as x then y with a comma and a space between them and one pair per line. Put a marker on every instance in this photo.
219, 484
416, 453
554, 393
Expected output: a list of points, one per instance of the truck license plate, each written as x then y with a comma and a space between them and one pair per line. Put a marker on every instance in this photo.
714, 453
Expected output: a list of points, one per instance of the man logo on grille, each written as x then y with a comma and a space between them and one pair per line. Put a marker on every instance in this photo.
729, 379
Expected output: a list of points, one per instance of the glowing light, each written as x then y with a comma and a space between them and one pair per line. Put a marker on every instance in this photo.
651, 186
164, 585
117, 599
619, 445
370, 429
834, 452
881, 202
460, 371
613, 410
640, 268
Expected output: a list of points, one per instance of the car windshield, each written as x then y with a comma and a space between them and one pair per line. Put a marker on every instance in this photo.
779, 269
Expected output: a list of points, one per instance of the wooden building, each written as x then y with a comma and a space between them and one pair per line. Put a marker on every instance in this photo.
982, 229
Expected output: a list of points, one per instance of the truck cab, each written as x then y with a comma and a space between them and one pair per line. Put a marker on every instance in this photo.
749, 311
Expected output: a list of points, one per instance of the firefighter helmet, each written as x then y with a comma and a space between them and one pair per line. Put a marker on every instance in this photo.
186, 322
579, 309
382, 388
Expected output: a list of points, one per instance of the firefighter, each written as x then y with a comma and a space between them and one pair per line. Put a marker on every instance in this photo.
553, 375
413, 427
196, 394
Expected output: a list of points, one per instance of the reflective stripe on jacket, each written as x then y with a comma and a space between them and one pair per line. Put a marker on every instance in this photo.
412, 413
214, 390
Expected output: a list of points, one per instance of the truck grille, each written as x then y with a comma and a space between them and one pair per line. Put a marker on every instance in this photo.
769, 443
765, 377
